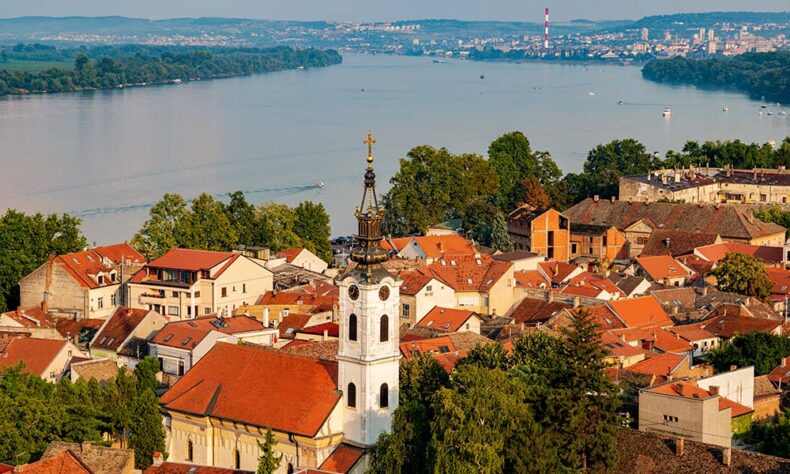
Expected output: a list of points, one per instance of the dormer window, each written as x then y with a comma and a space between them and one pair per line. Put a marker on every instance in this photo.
100, 279
114, 277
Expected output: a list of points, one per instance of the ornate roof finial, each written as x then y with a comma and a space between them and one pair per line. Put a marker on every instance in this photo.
369, 142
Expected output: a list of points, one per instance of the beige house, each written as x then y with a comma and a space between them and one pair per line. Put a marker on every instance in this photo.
45, 358
303, 258
184, 284
84, 284
420, 293
124, 329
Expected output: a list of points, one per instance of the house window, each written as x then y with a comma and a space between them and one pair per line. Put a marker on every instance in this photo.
205, 274
243, 287
197, 294
113, 277
550, 252
763, 197
172, 310
52, 374
352, 327
190, 450
384, 329
113, 299
100, 302
237, 459
384, 396
405, 311
206, 310
641, 240
180, 368
574, 248
100, 279
352, 395
224, 291
175, 294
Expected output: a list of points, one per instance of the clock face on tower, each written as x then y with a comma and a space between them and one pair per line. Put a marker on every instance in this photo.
384, 293
353, 292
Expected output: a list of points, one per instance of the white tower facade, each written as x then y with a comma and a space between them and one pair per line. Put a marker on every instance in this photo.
368, 355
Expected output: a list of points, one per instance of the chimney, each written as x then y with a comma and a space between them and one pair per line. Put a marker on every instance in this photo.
576, 302
158, 458
325, 335
663, 178
713, 389
680, 446
440, 244
18, 311
596, 198
551, 296
705, 290
784, 361
727, 457
85, 447
733, 368
266, 316
45, 306
754, 170
612, 199
677, 176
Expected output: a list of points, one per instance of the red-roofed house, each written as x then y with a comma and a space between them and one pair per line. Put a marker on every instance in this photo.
125, 327
654, 339
641, 311
87, 283
344, 459
63, 463
780, 375
665, 270
34, 321
558, 273
592, 285
451, 320
769, 255
682, 409
303, 258
186, 283
179, 345
46, 358
700, 339
430, 247
420, 292
220, 408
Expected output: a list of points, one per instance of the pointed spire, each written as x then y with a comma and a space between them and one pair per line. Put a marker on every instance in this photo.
369, 217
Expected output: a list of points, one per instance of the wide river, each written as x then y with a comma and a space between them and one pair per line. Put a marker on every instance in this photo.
106, 156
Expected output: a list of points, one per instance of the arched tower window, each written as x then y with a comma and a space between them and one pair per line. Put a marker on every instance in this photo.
190, 450
352, 395
352, 327
384, 396
385, 329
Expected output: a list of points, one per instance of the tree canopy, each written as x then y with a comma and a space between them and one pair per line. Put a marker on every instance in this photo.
763, 351
743, 274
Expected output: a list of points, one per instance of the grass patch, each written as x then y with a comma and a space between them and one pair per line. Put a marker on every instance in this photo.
35, 66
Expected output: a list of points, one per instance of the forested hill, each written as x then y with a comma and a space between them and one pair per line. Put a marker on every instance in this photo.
122, 66
758, 74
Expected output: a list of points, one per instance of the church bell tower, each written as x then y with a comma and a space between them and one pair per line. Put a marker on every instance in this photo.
368, 354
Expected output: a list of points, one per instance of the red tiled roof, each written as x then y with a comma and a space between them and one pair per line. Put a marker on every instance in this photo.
415, 280
640, 311
64, 463
604, 317
83, 265
333, 329
730, 320
661, 339
696, 263
469, 273
295, 322
36, 354
190, 259
342, 459
67, 327
445, 319
533, 311
591, 285
291, 394
188, 334
618, 347
676, 242
716, 252
290, 254
295, 298
32, 318
424, 346
660, 365
662, 266
781, 373
531, 279
688, 390
557, 271
118, 327
434, 246
781, 280
692, 332
178, 468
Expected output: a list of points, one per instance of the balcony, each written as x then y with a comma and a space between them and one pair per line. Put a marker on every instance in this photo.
151, 299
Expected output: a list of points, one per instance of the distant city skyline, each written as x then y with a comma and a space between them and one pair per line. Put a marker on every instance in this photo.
357, 10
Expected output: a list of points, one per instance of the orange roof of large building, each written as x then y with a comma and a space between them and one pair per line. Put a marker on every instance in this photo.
35, 353
85, 266
716, 252
64, 463
591, 285
531, 279
297, 298
342, 459
659, 338
434, 246
659, 267
191, 260
179, 468
260, 387
730, 320
603, 316
470, 273
640, 311
445, 319
415, 280
661, 365
118, 327
534, 311
188, 334
688, 390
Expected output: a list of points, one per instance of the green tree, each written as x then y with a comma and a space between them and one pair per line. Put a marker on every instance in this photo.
312, 225
774, 437
206, 227
774, 214
268, 461
606, 164
490, 356
276, 227
242, 217
763, 351
529, 191
158, 233
742, 274
500, 239
147, 435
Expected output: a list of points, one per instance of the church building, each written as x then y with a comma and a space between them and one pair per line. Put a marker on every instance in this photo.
324, 414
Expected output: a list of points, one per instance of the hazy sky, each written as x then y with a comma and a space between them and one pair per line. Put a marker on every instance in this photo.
530, 10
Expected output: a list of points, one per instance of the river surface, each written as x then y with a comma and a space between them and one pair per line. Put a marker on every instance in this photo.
106, 156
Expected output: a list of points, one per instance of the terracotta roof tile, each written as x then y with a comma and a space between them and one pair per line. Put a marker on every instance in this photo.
99, 459
219, 386
781, 373
178, 468
188, 334
83, 266
324, 350
663, 266
716, 252
640, 311
63, 463
342, 459
531, 279
100, 370
729, 320
661, 339
36, 354
660, 365
434, 246
604, 317
290, 254
32, 318
68, 327
557, 271
190, 259
533, 311
676, 242
445, 319
332, 329
118, 327
292, 323
689, 390
591, 285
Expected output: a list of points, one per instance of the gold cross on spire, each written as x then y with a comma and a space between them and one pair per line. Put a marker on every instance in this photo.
369, 142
